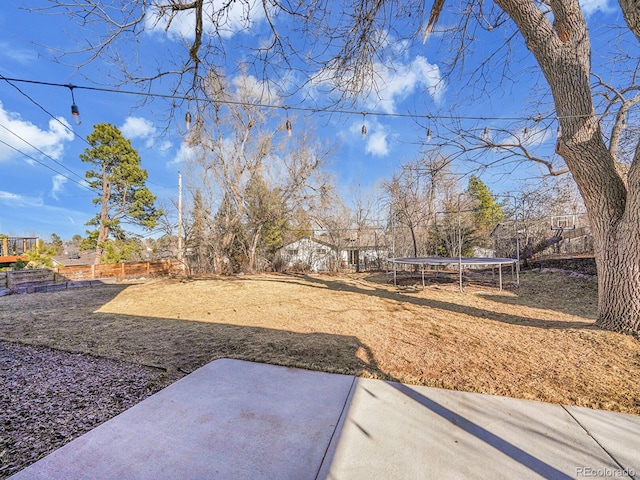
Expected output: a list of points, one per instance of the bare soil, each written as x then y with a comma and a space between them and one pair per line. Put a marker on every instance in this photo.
537, 342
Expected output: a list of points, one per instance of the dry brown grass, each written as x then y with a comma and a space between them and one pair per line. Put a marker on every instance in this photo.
537, 342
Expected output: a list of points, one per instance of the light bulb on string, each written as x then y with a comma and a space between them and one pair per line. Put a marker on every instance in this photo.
76, 114
287, 124
485, 134
187, 120
428, 135
364, 126
75, 111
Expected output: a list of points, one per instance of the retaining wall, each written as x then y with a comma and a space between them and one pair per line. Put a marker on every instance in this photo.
61, 278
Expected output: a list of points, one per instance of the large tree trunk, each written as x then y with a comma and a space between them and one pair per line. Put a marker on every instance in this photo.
618, 263
413, 238
103, 235
631, 15
563, 52
103, 227
253, 248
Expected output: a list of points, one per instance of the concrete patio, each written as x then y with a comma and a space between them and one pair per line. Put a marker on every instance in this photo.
239, 420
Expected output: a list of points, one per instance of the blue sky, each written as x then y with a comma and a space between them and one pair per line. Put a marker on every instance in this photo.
41, 188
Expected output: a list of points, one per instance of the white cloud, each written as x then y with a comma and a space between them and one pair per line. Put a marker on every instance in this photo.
16, 54
138, 127
21, 220
15, 200
165, 146
50, 141
591, 6
58, 184
235, 17
249, 88
376, 142
184, 153
396, 84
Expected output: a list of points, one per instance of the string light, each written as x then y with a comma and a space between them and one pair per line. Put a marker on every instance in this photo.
75, 112
364, 127
287, 124
187, 120
428, 135
486, 136
536, 118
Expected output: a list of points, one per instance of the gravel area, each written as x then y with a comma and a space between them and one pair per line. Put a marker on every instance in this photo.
49, 397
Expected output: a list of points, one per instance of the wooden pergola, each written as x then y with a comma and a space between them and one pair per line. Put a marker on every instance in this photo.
13, 249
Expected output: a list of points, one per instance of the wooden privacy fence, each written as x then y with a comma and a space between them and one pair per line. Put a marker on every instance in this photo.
61, 278
120, 271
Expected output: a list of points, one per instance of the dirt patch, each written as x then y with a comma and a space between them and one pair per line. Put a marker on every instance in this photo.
536, 342
581, 264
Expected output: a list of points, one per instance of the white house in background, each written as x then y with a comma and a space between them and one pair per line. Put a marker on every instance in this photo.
321, 256
311, 253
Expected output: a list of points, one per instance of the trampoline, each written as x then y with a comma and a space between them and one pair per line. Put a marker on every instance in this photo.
460, 263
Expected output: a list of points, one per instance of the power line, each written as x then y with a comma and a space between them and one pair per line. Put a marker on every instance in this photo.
43, 164
43, 153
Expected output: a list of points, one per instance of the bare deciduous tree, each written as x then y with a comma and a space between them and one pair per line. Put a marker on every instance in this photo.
349, 42
248, 167
411, 196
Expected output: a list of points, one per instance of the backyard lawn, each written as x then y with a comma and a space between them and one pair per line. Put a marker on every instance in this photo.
536, 342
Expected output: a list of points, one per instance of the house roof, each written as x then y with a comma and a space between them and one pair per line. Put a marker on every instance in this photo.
311, 240
348, 245
74, 259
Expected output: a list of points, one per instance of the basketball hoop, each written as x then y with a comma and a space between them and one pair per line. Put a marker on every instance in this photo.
563, 222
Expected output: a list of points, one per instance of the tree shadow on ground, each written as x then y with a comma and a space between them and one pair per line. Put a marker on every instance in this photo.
372, 290
555, 292
71, 321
